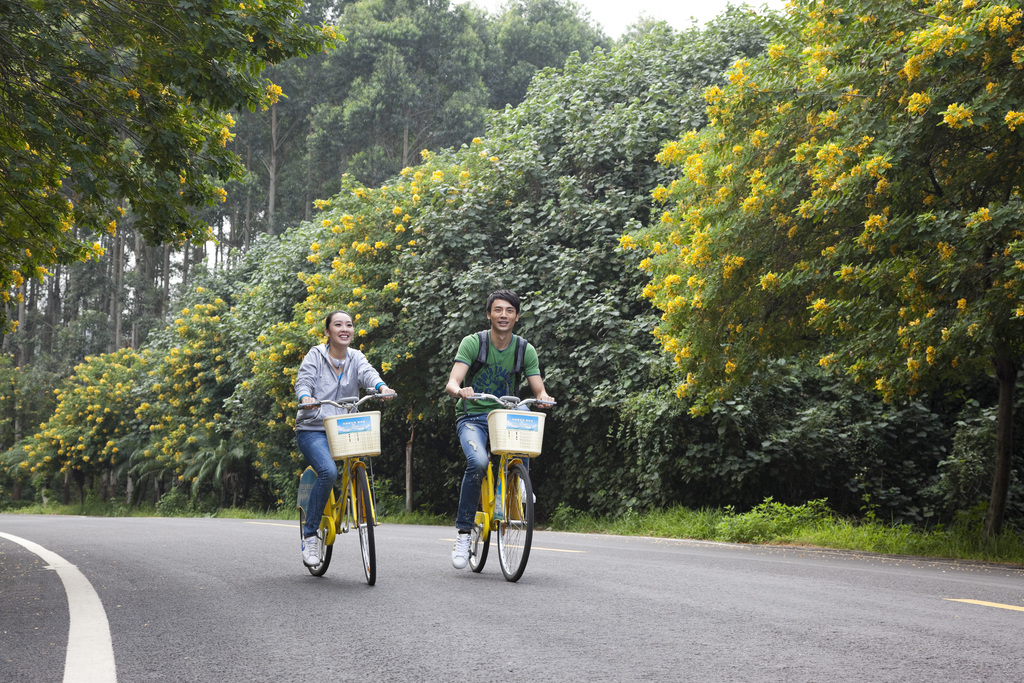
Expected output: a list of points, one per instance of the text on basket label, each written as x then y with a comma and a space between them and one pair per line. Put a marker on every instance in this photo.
354, 424
523, 423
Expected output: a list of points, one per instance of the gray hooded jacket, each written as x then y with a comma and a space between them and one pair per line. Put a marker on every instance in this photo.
318, 378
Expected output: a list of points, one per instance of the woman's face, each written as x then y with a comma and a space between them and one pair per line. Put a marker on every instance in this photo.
340, 331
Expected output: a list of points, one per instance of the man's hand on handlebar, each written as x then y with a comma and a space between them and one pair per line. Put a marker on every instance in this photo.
465, 392
544, 401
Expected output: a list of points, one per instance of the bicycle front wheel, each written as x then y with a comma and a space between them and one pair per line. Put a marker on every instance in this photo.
515, 531
479, 544
364, 522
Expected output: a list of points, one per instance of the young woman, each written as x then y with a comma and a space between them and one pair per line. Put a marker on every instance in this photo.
329, 371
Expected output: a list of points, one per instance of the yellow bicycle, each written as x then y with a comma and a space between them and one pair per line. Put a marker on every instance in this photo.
352, 437
506, 498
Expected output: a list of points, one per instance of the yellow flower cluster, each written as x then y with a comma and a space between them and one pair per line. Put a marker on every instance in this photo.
1014, 119
918, 103
958, 116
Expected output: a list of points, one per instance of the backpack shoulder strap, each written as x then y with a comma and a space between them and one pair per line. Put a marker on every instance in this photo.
481, 356
520, 355
517, 368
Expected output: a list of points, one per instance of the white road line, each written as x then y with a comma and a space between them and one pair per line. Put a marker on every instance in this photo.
537, 547
90, 653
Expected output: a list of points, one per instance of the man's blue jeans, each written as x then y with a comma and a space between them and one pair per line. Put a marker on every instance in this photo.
313, 446
472, 432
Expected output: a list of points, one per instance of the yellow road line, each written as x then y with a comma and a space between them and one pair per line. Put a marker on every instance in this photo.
987, 604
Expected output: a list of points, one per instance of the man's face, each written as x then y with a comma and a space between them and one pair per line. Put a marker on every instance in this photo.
502, 316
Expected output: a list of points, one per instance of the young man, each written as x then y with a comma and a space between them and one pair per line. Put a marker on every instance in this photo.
496, 377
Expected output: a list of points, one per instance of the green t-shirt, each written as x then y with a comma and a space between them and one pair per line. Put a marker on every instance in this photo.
496, 377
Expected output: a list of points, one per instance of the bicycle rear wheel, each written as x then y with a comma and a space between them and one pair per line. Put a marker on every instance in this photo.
515, 531
364, 522
325, 550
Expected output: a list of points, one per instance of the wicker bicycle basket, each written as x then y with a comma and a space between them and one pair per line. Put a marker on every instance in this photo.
516, 432
354, 435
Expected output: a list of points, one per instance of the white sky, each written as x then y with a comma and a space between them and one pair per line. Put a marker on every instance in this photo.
615, 16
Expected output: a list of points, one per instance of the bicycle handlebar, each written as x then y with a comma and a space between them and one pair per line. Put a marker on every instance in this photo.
511, 402
347, 403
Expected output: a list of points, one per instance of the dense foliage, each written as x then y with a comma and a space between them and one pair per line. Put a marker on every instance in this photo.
857, 196
115, 108
539, 204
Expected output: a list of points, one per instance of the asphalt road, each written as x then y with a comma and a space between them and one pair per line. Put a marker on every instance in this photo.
228, 600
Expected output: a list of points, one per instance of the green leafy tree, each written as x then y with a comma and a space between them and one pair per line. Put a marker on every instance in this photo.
857, 198
114, 105
530, 35
409, 78
537, 205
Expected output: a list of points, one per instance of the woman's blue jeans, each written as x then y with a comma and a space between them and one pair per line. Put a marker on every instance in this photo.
313, 446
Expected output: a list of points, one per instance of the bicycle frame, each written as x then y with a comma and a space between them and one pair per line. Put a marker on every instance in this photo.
486, 518
338, 517
514, 523
350, 502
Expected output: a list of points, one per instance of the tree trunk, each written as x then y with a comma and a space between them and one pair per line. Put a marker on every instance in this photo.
79, 477
186, 260
272, 170
52, 318
116, 283
1006, 375
166, 299
247, 226
5, 348
308, 208
22, 359
405, 146
129, 489
408, 470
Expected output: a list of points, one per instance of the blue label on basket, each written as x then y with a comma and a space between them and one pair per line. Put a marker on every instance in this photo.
523, 423
352, 425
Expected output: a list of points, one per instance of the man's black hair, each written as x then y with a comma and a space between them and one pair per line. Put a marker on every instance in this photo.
505, 295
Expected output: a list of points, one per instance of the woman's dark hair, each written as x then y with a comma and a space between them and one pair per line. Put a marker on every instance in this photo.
327, 320
505, 295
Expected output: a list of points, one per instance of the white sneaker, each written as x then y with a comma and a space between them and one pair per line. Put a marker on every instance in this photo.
311, 551
460, 554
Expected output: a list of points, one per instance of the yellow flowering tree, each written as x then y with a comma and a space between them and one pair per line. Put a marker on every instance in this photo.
351, 258
85, 436
857, 198
184, 410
